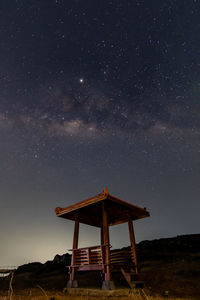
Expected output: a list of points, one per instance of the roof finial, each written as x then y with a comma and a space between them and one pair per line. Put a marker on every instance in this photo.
106, 190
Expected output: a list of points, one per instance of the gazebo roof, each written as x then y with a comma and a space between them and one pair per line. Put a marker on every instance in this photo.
90, 210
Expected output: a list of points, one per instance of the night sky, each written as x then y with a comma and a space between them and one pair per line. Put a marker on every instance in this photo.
96, 93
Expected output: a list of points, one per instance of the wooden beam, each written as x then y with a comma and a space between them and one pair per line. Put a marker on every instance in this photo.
75, 245
132, 240
106, 241
90, 268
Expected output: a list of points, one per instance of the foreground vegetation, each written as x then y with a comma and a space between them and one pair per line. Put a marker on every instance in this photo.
86, 294
170, 269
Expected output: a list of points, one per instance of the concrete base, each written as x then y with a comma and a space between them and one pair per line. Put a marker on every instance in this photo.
108, 285
72, 284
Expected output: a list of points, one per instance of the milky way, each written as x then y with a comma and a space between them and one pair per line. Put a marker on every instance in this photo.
96, 93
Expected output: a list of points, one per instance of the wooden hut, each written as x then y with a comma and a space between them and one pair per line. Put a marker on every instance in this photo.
102, 211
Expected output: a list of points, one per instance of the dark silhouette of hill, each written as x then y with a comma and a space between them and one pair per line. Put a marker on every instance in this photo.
168, 265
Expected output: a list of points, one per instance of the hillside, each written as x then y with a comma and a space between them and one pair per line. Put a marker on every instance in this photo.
169, 266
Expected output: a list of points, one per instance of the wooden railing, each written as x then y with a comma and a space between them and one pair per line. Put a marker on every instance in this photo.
96, 256
89, 256
122, 257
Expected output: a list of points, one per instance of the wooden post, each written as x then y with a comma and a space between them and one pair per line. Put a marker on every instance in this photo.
102, 237
107, 284
76, 231
132, 240
106, 242
102, 247
72, 282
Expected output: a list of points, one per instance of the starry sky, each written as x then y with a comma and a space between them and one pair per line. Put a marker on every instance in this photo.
96, 93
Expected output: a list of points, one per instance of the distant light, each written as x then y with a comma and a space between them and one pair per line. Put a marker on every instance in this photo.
81, 80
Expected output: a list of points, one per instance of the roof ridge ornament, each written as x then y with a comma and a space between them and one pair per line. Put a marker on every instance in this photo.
106, 192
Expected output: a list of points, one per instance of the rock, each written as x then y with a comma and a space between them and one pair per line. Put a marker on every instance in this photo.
31, 267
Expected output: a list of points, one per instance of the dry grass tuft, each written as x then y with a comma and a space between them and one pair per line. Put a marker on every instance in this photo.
40, 294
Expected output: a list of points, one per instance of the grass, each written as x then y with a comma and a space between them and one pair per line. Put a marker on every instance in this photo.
39, 293
35, 294
180, 278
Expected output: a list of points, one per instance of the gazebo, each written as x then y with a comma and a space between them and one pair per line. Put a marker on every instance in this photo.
102, 211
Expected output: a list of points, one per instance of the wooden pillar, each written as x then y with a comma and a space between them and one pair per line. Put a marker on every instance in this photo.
102, 249
106, 242
132, 240
76, 231
101, 235
107, 283
75, 245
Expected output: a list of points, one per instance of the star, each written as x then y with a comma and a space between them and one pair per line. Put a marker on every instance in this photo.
88, 99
